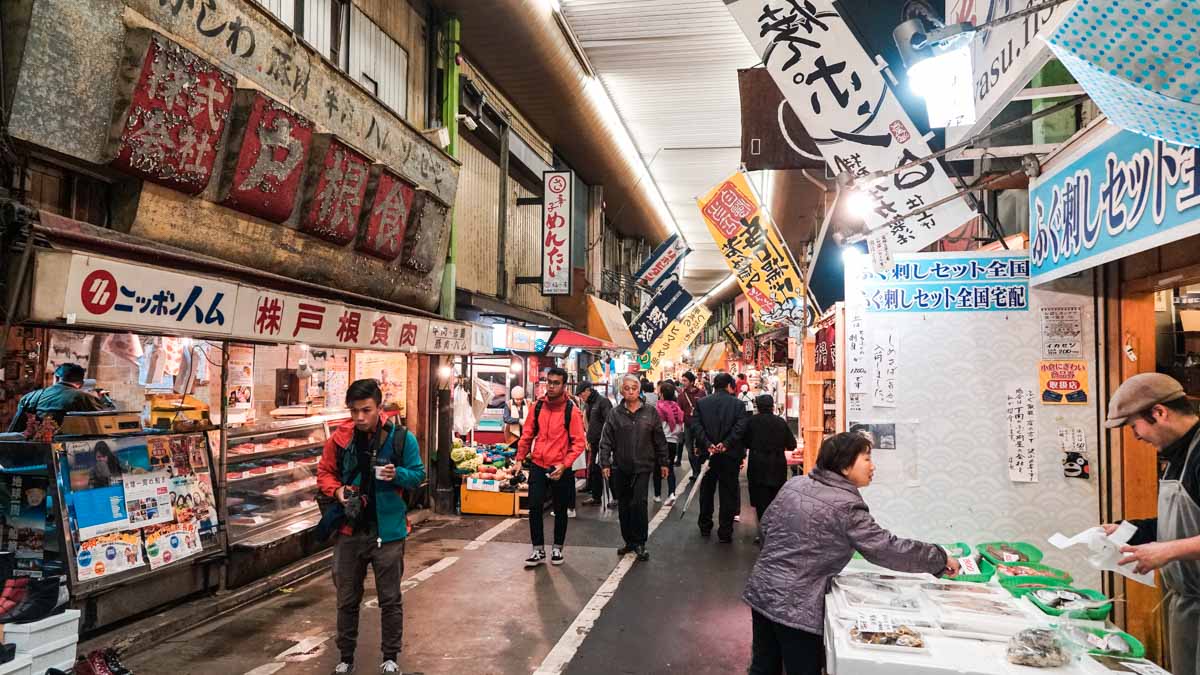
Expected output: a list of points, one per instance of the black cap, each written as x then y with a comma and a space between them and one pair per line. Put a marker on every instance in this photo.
582, 387
70, 372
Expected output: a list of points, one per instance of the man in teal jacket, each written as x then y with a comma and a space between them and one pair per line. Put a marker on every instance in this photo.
370, 460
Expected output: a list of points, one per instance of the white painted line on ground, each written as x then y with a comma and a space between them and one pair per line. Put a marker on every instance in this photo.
267, 669
426, 573
564, 651
491, 534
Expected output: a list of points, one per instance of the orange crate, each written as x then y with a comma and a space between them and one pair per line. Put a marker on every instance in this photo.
481, 503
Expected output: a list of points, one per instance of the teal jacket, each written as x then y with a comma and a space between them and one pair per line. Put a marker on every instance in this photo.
339, 466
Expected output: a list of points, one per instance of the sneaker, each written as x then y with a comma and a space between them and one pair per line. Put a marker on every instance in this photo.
343, 667
737, 519
657, 499
389, 666
612, 504
537, 557
671, 499
625, 550
556, 556
642, 555
570, 513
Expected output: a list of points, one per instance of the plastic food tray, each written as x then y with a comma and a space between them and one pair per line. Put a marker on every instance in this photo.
1097, 614
1048, 572
1033, 553
1136, 649
958, 549
1011, 584
896, 649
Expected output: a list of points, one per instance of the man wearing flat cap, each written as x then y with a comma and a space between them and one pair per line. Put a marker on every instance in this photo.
1157, 411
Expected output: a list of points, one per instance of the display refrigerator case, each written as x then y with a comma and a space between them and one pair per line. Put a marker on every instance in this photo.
271, 493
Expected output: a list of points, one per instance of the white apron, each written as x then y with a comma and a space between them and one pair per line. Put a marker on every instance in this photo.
1179, 518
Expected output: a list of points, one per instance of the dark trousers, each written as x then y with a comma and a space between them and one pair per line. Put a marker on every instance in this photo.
777, 649
761, 497
351, 553
630, 489
689, 443
723, 475
673, 450
562, 494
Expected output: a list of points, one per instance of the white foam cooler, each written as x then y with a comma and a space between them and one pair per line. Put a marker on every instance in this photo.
31, 636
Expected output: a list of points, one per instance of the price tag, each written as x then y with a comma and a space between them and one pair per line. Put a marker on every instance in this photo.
1144, 667
968, 566
1011, 557
874, 623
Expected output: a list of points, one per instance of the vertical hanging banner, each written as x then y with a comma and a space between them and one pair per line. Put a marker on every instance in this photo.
840, 96
661, 311
556, 232
663, 262
678, 335
754, 251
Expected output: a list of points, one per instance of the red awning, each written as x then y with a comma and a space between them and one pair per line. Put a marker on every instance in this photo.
569, 338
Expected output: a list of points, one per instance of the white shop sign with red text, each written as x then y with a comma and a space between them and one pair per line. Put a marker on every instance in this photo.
556, 232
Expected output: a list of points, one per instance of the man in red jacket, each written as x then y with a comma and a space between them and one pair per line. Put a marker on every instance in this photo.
554, 433
688, 397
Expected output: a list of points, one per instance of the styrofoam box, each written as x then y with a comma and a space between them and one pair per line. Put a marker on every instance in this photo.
50, 655
22, 665
29, 636
485, 485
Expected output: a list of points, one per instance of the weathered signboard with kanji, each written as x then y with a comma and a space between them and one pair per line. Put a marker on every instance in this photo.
390, 204
170, 115
754, 251
661, 311
268, 150
556, 232
842, 99
333, 197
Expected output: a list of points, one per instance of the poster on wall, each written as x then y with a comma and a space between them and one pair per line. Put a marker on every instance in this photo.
1062, 332
168, 543
1021, 411
1072, 443
95, 471
1063, 382
148, 498
109, 554
882, 434
241, 383
68, 347
857, 363
25, 521
885, 362
390, 369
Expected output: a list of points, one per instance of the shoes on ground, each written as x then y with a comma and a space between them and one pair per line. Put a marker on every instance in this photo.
591, 501
612, 503
26, 599
737, 519
114, 662
389, 666
642, 554
537, 557
705, 533
670, 499
556, 556
657, 499
92, 664
625, 550
724, 540
343, 667
570, 513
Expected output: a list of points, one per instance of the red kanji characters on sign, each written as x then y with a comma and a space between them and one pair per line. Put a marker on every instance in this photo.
334, 198
727, 209
310, 317
348, 324
390, 208
379, 331
269, 316
408, 335
178, 106
264, 167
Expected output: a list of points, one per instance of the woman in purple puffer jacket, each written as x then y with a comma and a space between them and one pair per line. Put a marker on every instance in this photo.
809, 533
672, 421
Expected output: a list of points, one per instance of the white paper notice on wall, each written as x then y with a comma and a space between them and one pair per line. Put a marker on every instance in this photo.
881, 251
854, 403
1062, 332
1072, 439
885, 360
1021, 410
857, 376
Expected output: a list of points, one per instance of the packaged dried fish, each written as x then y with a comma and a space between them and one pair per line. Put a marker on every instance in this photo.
902, 636
1038, 648
946, 587
963, 603
1060, 599
1027, 571
1006, 553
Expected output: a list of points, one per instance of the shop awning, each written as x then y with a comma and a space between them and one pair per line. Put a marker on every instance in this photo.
569, 338
699, 354
604, 320
716, 358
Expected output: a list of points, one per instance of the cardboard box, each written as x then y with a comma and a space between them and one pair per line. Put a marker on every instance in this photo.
481, 503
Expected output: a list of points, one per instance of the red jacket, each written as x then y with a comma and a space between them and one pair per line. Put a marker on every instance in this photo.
688, 398
552, 448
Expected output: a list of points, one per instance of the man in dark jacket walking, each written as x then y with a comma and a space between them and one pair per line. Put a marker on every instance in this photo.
688, 397
768, 438
717, 428
596, 410
631, 446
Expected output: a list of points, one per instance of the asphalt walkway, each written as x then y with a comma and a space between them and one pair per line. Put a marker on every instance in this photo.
471, 607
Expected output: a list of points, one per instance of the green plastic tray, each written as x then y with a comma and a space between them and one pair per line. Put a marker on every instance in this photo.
1098, 614
1136, 649
986, 569
1028, 550
958, 549
1052, 573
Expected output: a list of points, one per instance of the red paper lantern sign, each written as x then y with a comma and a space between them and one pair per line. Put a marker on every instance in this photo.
333, 197
268, 150
390, 201
169, 122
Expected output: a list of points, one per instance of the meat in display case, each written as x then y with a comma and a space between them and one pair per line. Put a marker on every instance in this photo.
271, 474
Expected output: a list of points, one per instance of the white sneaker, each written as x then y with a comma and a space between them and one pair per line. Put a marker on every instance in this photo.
389, 666
737, 519
657, 499
670, 499
570, 513
343, 667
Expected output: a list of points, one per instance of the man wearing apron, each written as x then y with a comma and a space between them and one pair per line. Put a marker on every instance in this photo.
1158, 412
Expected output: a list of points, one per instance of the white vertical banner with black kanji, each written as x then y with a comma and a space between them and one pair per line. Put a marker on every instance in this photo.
840, 96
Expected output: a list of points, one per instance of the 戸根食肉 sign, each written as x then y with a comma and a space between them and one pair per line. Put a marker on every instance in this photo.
1113, 194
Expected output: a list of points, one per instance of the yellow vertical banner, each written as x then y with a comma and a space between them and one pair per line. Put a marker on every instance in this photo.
754, 251
677, 335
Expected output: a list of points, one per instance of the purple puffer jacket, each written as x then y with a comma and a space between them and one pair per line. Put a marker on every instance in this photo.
809, 534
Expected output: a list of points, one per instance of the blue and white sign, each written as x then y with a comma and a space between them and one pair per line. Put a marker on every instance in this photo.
663, 262
662, 310
1112, 194
939, 282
